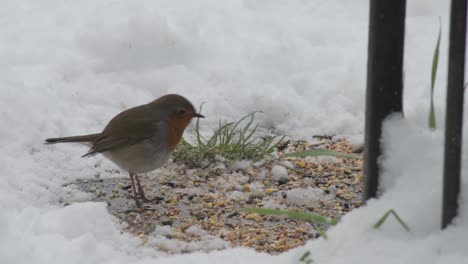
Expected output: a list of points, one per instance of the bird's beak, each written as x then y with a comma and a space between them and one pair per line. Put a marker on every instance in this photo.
198, 115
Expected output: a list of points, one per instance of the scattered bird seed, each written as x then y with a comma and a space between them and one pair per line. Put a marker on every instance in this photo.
208, 199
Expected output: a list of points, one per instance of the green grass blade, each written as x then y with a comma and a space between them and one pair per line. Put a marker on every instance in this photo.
313, 218
249, 123
233, 130
249, 136
234, 140
435, 63
382, 220
273, 145
197, 128
321, 152
305, 256
320, 231
402, 223
435, 58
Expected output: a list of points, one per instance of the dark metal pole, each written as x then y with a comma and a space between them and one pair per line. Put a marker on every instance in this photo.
384, 80
454, 114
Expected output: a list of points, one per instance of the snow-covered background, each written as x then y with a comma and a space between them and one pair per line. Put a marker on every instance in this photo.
67, 67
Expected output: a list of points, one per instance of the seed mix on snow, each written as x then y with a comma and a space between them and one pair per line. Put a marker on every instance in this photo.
198, 208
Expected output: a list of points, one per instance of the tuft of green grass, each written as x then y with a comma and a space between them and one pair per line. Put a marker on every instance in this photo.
382, 220
314, 219
321, 152
431, 122
233, 141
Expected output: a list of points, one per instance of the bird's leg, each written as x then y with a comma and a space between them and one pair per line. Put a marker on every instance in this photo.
134, 190
132, 181
141, 192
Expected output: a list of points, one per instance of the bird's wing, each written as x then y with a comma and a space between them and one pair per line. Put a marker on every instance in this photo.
128, 128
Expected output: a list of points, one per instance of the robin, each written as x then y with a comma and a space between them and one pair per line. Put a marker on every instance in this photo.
140, 139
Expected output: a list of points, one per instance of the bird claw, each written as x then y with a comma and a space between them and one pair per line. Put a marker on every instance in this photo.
139, 199
146, 200
142, 197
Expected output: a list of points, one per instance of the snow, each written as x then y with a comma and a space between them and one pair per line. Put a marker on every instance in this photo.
67, 67
413, 189
162, 230
206, 243
305, 196
241, 164
279, 172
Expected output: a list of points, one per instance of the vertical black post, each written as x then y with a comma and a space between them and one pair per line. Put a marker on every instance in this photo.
454, 114
384, 79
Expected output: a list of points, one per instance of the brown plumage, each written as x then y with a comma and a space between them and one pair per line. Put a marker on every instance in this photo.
141, 138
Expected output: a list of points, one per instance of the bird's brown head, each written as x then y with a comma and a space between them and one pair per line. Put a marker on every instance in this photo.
178, 112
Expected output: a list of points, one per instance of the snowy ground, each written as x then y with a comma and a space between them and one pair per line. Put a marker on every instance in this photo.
67, 67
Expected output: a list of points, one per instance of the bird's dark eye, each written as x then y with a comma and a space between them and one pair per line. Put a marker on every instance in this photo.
181, 112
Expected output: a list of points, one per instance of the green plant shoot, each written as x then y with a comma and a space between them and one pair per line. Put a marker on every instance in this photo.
435, 63
385, 216
234, 141
321, 152
314, 219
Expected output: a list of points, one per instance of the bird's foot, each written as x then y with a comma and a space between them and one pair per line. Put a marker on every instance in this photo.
156, 199
141, 195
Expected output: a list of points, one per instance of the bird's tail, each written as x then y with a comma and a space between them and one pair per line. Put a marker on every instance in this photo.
75, 139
